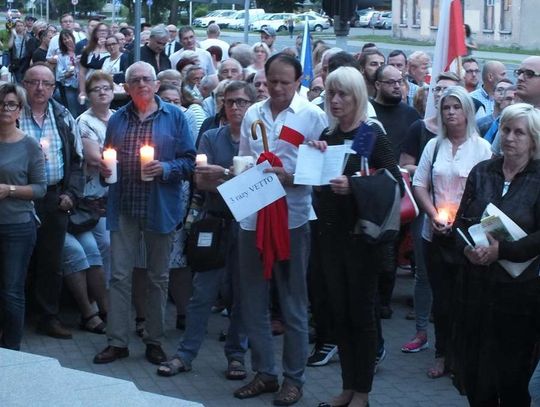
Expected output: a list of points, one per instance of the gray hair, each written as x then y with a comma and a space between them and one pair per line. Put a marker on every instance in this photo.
243, 54
159, 31
329, 53
532, 121
234, 61
263, 46
213, 29
140, 64
467, 105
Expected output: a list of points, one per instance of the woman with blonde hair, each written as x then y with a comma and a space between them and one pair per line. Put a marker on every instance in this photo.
262, 53
438, 184
348, 261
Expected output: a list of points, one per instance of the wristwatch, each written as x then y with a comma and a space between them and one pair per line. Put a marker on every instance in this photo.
226, 172
12, 189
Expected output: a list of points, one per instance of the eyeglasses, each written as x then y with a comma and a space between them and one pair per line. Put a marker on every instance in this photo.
143, 79
239, 102
98, 89
34, 83
472, 71
391, 82
316, 89
110, 44
438, 89
527, 73
10, 106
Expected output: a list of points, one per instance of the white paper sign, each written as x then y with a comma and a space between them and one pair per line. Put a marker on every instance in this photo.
314, 167
251, 191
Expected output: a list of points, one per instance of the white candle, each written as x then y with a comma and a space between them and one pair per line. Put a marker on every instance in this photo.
109, 158
45, 146
443, 216
147, 155
242, 163
201, 160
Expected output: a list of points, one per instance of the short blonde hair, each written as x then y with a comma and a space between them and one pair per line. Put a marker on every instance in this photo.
532, 120
350, 81
419, 58
263, 46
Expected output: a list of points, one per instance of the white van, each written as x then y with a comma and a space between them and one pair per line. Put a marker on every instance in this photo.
236, 21
213, 17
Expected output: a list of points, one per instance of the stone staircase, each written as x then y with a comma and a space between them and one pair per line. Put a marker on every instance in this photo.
33, 380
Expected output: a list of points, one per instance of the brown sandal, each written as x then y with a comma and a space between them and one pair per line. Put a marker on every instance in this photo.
256, 387
288, 395
236, 370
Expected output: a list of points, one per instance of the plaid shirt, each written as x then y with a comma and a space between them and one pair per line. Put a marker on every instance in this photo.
48, 132
135, 192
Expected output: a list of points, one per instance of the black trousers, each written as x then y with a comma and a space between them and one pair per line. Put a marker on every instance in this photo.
47, 256
348, 265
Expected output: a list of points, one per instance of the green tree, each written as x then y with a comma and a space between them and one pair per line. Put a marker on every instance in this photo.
276, 6
65, 6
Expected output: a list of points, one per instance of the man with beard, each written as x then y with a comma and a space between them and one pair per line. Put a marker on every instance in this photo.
391, 111
369, 62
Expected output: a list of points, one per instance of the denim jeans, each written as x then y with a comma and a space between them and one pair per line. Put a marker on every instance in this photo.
16, 244
422, 288
206, 287
103, 240
291, 283
80, 252
534, 386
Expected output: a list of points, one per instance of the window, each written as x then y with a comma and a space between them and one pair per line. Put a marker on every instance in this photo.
506, 15
435, 13
416, 13
403, 13
489, 12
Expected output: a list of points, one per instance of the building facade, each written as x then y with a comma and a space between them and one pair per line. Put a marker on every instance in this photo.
504, 23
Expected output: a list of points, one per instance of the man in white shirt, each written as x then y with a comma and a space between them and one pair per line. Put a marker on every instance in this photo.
67, 23
189, 43
213, 32
290, 120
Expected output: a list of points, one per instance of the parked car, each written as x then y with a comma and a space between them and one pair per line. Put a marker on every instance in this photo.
384, 21
363, 17
212, 17
238, 24
315, 22
13, 13
277, 21
239, 17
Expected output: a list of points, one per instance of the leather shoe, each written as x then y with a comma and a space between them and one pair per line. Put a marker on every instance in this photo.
154, 354
55, 329
110, 354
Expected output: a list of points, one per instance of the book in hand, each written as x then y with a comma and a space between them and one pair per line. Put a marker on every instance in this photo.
313, 167
502, 228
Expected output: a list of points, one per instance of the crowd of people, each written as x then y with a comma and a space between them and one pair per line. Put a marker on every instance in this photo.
101, 194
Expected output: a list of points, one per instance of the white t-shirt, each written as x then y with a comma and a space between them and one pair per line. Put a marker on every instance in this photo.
450, 172
210, 42
204, 56
301, 116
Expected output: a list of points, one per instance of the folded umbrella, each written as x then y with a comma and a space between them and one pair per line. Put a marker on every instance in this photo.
272, 231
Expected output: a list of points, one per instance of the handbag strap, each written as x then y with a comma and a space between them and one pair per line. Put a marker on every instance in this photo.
435, 152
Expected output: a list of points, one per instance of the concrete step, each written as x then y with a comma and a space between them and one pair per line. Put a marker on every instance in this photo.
33, 380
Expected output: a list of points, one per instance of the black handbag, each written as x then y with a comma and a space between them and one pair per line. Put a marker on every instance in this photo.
86, 215
207, 244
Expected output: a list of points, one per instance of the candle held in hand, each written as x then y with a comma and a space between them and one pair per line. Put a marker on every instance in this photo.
45, 146
109, 158
443, 216
147, 155
201, 160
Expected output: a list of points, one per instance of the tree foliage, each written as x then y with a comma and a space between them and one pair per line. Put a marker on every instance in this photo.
276, 6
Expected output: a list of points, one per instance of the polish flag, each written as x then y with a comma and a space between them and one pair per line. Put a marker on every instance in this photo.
449, 46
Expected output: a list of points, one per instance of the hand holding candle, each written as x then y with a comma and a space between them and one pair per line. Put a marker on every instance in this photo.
443, 216
147, 156
242, 163
109, 159
201, 160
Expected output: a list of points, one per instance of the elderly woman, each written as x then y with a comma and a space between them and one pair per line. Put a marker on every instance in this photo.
262, 53
497, 322
438, 183
348, 261
22, 179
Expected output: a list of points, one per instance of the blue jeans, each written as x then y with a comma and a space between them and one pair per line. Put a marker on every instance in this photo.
80, 252
534, 386
290, 278
422, 288
103, 240
16, 244
206, 287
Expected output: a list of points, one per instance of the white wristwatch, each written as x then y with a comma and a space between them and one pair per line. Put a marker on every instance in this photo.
12, 189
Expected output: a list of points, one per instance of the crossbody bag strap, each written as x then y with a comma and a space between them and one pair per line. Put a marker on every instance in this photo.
435, 152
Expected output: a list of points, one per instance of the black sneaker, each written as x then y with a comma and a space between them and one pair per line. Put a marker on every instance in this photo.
381, 355
321, 354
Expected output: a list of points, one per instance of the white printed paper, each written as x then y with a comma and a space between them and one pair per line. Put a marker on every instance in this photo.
313, 167
205, 239
251, 191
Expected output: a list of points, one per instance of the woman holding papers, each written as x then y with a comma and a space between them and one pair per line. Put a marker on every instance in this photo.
438, 183
349, 263
497, 314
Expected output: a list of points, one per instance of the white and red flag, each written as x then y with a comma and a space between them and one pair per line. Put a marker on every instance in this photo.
449, 46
